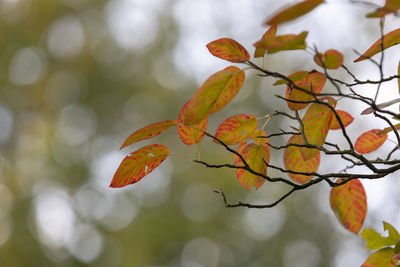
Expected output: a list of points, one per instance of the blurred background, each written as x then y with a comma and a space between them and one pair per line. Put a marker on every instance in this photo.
78, 76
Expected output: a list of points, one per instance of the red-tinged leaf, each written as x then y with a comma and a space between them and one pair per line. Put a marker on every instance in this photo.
391, 6
271, 32
140, 163
297, 76
316, 122
236, 129
191, 135
331, 59
293, 161
375, 240
370, 141
283, 42
148, 132
381, 258
389, 129
217, 91
229, 50
389, 40
254, 155
345, 117
294, 11
349, 203
259, 137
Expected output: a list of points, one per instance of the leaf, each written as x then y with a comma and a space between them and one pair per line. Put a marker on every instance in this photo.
148, 132
217, 91
293, 161
293, 12
259, 137
397, 247
229, 50
345, 117
191, 135
381, 106
283, 42
376, 241
391, 6
389, 129
140, 163
349, 203
297, 76
331, 59
389, 40
381, 258
271, 32
236, 129
370, 141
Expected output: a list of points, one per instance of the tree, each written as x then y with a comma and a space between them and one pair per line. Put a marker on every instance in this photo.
311, 116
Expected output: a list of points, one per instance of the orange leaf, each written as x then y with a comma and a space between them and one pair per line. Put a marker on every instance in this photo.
236, 129
349, 203
191, 135
331, 59
381, 258
283, 42
217, 91
345, 117
391, 6
389, 40
293, 161
229, 50
294, 11
140, 163
370, 141
271, 32
148, 132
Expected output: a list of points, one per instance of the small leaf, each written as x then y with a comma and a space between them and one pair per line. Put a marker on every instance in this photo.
381, 106
370, 141
236, 129
389, 40
389, 129
297, 76
140, 163
293, 12
191, 135
293, 161
349, 203
271, 32
345, 117
229, 50
331, 59
283, 42
216, 92
381, 258
391, 6
376, 241
148, 132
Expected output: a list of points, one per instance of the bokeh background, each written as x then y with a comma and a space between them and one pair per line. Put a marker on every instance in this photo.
78, 76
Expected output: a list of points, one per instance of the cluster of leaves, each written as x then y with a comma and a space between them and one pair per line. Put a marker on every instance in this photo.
306, 141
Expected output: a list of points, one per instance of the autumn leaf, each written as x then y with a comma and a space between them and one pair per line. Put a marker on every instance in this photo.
236, 129
283, 42
271, 32
370, 141
390, 6
376, 241
389, 40
191, 135
381, 258
345, 117
217, 91
228, 49
331, 59
349, 203
293, 161
297, 76
293, 12
148, 132
140, 163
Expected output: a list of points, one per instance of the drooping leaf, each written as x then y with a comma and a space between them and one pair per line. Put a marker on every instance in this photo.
297, 76
271, 32
389, 129
217, 91
381, 106
140, 163
390, 6
376, 241
293, 161
331, 59
381, 258
349, 203
191, 135
236, 129
293, 12
148, 132
345, 117
229, 50
389, 40
283, 42
370, 141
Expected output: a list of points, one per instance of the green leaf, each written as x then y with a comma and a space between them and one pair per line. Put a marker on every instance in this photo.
236, 129
228, 49
271, 32
376, 241
191, 135
283, 42
381, 258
